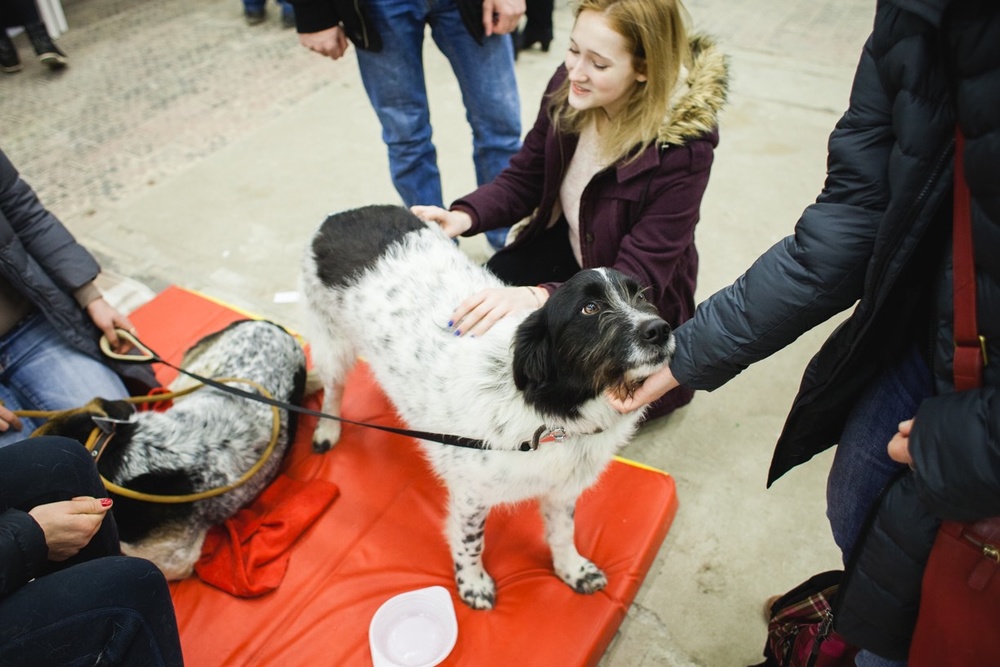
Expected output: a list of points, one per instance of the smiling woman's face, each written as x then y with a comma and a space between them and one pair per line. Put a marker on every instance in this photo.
600, 68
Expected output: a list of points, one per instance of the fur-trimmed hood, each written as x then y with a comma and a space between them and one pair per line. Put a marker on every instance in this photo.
696, 112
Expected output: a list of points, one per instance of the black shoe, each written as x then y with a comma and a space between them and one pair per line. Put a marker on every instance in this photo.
48, 53
254, 16
525, 39
9, 60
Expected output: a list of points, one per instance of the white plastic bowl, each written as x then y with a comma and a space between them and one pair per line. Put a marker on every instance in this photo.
415, 629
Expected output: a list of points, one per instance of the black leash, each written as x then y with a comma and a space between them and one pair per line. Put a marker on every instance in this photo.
149, 356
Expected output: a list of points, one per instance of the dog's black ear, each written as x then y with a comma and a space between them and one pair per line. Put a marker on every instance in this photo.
533, 353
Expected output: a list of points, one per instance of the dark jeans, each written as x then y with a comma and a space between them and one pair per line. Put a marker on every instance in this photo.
546, 259
862, 467
97, 608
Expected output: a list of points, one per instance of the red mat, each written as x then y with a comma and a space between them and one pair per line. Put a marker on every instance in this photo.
383, 536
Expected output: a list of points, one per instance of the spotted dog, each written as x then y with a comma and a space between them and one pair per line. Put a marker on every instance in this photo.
205, 440
380, 283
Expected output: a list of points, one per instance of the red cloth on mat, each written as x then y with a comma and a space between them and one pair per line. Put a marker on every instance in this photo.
248, 554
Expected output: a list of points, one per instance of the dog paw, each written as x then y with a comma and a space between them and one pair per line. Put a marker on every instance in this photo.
585, 578
325, 436
478, 591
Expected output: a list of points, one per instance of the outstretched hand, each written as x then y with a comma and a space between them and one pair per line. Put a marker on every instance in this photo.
477, 314
71, 524
655, 386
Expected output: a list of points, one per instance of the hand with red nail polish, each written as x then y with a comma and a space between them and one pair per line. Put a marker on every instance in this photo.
71, 524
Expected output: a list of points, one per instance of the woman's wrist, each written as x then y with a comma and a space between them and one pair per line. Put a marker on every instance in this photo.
539, 294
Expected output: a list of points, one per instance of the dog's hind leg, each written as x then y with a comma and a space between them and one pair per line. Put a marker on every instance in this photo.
332, 356
173, 548
581, 574
466, 525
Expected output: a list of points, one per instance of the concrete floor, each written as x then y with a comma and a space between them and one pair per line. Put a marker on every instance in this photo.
184, 147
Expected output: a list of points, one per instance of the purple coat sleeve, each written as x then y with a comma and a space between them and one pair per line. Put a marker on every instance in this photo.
524, 184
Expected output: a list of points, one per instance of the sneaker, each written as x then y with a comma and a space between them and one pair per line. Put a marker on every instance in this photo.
254, 16
9, 60
48, 53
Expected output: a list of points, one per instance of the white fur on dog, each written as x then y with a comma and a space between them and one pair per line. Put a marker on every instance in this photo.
394, 315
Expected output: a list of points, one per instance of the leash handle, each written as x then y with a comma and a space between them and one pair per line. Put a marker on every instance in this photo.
145, 355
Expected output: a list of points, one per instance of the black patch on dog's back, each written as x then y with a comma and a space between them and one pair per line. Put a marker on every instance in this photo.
349, 242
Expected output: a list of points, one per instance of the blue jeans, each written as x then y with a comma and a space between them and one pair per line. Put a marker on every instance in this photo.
258, 5
861, 466
394, 81
39, 370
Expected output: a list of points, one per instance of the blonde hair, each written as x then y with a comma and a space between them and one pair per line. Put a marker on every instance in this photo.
655, 34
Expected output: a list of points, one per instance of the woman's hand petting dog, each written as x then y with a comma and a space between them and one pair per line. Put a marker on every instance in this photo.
71, 524
452, 223
477, 314
655, 386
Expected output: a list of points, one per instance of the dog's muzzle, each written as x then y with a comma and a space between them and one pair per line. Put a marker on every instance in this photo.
655, 332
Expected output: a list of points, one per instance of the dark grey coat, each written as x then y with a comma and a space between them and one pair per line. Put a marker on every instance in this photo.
40, 258
879, 236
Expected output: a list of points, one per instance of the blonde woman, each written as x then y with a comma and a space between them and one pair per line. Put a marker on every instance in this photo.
613, 171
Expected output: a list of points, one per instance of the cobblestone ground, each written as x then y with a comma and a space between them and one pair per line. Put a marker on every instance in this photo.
152, 87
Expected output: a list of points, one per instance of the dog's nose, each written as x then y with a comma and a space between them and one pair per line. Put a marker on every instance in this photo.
655, 332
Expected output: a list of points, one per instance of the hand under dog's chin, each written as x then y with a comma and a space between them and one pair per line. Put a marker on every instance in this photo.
626, 388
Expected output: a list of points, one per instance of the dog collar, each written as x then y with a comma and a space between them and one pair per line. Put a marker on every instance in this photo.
543, 434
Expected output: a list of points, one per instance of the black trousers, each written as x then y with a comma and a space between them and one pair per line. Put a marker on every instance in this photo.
15, 13
545, 259
97, 608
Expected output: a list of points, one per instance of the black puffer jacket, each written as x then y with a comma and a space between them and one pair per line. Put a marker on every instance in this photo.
879, 235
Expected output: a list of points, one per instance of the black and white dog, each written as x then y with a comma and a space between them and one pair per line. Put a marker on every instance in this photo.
205, 440
380, 283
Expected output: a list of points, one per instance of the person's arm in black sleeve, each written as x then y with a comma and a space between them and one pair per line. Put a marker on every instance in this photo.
22, 550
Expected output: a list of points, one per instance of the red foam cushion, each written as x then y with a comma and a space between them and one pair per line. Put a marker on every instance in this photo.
383, 536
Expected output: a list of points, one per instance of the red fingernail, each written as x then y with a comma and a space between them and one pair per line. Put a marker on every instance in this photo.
105, 502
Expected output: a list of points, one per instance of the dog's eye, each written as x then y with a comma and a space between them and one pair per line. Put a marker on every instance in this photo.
590, 308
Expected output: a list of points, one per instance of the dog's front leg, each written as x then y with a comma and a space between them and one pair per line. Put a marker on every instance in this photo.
466, 527
581, 574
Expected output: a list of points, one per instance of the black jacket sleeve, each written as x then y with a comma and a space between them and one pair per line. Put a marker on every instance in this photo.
955, 445
22, 550
318, 15
811, 275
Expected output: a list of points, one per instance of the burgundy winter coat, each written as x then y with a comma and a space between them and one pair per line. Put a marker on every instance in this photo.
638, 217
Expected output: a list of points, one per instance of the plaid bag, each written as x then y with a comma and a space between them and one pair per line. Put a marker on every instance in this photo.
800, 630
